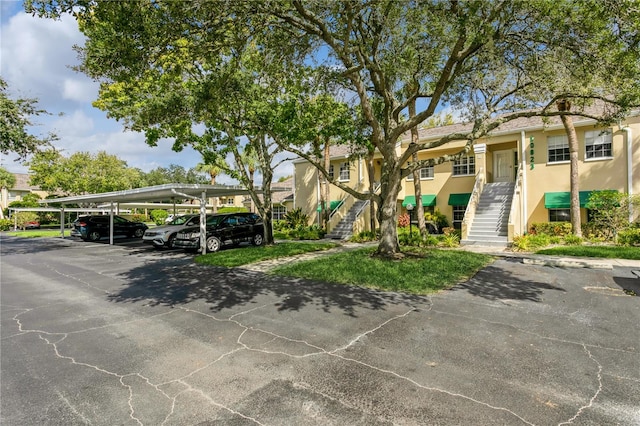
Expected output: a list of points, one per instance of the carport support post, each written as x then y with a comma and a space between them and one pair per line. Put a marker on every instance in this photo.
203, 222
111, 224
62, 222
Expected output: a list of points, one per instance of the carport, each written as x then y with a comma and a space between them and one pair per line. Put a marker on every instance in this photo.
171, 191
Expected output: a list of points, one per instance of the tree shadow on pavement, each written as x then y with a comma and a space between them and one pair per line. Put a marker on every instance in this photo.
172, 282
507, 279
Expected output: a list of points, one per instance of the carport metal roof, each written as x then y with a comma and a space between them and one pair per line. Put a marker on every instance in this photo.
151, 193
159, 192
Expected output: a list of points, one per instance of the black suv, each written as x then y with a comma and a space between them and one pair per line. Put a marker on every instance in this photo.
230, 228
92, 228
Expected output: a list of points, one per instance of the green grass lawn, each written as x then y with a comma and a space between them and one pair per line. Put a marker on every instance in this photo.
245, 255
38, 233
426, 272
608, 252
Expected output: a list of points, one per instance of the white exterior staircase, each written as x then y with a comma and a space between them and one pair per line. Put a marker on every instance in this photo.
490, 223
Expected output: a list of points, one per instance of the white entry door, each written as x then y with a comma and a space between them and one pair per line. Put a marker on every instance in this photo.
503, 166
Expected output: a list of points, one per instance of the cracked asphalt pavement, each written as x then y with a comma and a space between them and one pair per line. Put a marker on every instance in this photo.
104, 335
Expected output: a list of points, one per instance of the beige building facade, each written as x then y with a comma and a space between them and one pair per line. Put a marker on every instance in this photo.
529, 156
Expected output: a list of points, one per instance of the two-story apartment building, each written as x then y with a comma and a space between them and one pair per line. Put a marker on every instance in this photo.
516, 176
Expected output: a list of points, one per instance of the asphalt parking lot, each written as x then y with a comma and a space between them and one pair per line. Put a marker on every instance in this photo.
125, 334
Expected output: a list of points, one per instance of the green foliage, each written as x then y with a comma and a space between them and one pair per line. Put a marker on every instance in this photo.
82, 172
572, 240
24, 217
629, 237
364, 236
530, 242
559, 229
159, 216
450, 238
232, 210
605, 252
610, 211
15, 118
296, 218
438, 218
172, 174
6, 224
7, 179
424, 271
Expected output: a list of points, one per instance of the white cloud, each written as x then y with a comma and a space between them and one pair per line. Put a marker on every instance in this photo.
80, 90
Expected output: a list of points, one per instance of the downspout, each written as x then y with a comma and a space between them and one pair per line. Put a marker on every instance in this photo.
523, 160
318, 197
629, 138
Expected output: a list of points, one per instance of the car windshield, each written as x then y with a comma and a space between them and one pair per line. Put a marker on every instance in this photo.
181, 220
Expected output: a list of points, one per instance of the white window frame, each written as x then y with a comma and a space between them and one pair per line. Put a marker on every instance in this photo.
458, 210
426, 173
468, 164
598, 139
345, 172
331, 172
278, 212
557, 143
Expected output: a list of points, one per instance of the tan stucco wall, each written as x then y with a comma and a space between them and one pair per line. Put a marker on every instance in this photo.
594, 174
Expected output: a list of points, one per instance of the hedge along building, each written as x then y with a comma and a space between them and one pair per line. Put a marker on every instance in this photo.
516, 176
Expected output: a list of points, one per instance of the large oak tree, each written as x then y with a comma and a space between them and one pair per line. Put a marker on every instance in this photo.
492, 61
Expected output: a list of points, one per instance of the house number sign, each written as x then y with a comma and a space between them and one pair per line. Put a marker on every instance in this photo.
531, 152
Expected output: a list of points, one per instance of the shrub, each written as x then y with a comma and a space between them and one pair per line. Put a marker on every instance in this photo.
159, 216
450, 237
313, 232
296, 218
24, 217
364, 236
5, 224
610, 211
530, 242
629, 237
573, 240
437, 217
403, 220
559, 229
232, 210
138, 218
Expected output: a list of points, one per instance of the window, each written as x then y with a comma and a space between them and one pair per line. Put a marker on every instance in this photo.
464, 166
557, 149
331, 173
598, 144
426, 173
345, 171
279, 212
559, 215
231, 201
458, 216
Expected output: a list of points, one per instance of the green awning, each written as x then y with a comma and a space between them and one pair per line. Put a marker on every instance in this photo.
459, 199
332, 205
562, 200
428, 200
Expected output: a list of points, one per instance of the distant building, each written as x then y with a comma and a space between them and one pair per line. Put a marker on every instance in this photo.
19, 190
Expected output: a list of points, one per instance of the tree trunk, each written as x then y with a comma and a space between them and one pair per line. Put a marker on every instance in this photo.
419, 208
326, 208
372, 187
567, 121
388, 246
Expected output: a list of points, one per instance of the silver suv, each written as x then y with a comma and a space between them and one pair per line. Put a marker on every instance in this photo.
163, 236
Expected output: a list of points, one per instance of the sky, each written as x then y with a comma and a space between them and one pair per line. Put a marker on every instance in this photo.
36, 56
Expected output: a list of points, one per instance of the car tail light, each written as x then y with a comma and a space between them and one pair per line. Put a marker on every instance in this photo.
82, 224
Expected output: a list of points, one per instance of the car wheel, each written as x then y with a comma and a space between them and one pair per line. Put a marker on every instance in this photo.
257, 240
170, 240
138, 233
93, 236
213, 244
